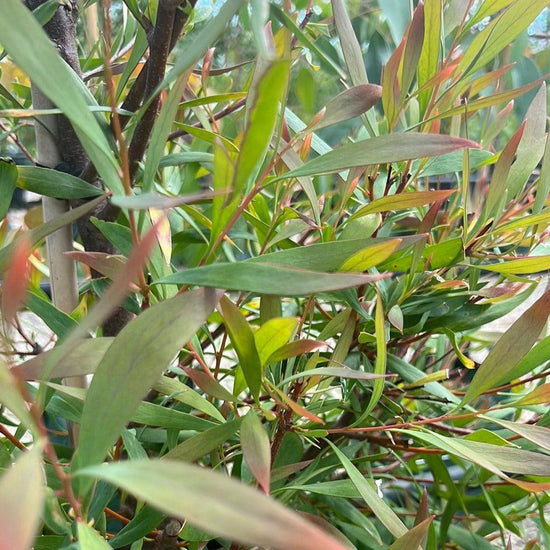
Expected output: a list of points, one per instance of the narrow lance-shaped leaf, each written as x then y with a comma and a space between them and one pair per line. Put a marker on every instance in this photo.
414, 39
380, 150
8, 179
52, 183
414, 537
256, 449
132, 364
21, 501
216, 503
348, 104
90, 539
280, 280
274, 334
429, 57
242, 339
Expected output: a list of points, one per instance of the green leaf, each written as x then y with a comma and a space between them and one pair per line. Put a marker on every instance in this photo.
59, 322
429, 57
184, 394
89, 539
272, 335
402, 201
52, 183
144, 201
46, 69
8, 179
132, 364
380, 150
216, 503
242, 339
267, 278
256, 449
538, 435
513, 345
203, 443
370, 256
381, 510
523, 266
21, 500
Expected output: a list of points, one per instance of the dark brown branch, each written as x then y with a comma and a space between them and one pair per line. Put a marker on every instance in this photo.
171, 17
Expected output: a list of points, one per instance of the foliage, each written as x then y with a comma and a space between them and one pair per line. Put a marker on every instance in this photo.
340, 391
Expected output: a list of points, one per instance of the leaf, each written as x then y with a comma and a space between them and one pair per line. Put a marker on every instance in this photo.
429, 57
57, 321
144, 201
90, 539
348, 104
338, 372
370, 256
203, 443
267, 278
81, 359
256, 449
380, 150
21, 501
511, 347
351, 48
46, 69
413, 538
132, 364
402, 201
184, 394
14, 285
532, 145
522, 266
414, 39
216, 503
381, 510
242, 339
8, 179
209, 385
293, 349
272, 335
108, 265
52, 183
539, 435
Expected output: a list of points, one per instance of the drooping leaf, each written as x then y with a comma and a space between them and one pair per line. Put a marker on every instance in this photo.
21, 501
145, 201
59, 322
256, 449
380, 150
132, 364
215, 503
210, 385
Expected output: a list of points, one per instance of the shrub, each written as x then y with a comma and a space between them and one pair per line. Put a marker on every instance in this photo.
281, 311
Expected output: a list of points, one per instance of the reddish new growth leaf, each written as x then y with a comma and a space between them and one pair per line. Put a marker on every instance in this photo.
16, 277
